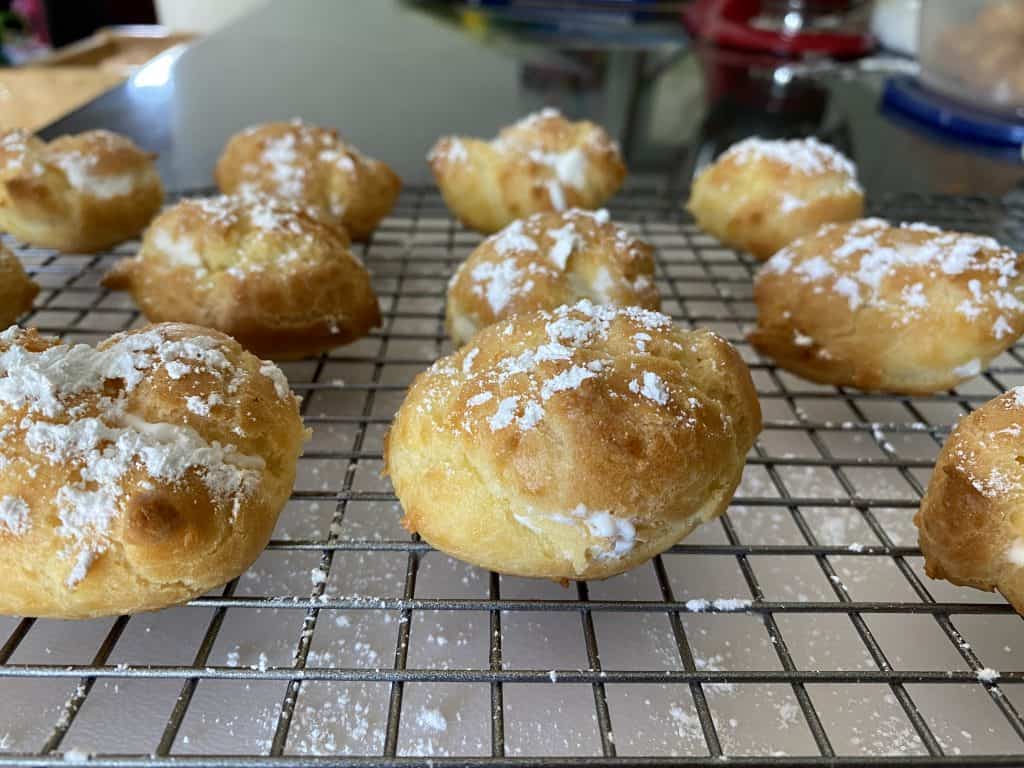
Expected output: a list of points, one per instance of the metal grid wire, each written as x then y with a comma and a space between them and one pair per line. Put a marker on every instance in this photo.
889, 440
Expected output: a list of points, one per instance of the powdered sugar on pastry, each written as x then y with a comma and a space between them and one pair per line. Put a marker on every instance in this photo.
977, 458
970, 519
543, 162
650, 386
567, 168
760, 194
908, 309
548, 260
560, 364
807, 156
499, 282
14, 515
280, 155
512, 238
77, 410
312, 165
872, 253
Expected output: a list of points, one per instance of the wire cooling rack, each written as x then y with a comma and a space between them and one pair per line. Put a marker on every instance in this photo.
799, 629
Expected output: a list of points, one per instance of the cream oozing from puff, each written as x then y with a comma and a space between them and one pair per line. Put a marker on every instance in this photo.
80, 192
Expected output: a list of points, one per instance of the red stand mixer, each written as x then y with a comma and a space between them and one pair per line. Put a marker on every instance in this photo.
794, 28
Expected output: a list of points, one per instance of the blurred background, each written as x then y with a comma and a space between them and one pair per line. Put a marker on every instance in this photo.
941, 81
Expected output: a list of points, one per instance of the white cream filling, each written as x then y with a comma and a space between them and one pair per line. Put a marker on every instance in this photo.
78, 170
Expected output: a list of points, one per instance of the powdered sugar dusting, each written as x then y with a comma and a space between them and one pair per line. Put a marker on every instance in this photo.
277, 377
280, 155
806, 156
542, 140
76, 411
455, 152
499, 282
872, 254
505, 414
561, 364
430, 719
565, 241
1018, 396
989, 461
524, 264
512, 238
14, 515
987, 675
650, 386
570, 167
292, 163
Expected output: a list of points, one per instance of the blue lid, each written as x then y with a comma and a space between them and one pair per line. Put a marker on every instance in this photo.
906, 96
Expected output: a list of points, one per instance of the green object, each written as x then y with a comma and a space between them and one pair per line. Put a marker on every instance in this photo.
9, 22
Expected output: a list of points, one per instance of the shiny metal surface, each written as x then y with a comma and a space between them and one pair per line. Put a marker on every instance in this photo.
394, 76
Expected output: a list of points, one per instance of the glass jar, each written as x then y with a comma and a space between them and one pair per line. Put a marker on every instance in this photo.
973, 51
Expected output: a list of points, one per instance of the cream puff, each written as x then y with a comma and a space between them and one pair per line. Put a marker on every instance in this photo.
971, 520
542, 163
137, 474
572, 444
77, 193
314, 166
17, 290
269, 272
548, 260
910, 309
761, 195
